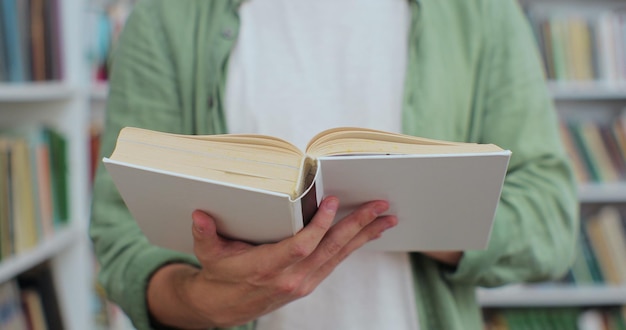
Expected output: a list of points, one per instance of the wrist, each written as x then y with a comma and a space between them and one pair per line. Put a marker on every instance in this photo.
169, 299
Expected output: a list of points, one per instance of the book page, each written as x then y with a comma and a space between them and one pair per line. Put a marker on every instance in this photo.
348, 140
255, 161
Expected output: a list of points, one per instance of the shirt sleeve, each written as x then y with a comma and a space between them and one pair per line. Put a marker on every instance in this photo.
537, 220
142, 93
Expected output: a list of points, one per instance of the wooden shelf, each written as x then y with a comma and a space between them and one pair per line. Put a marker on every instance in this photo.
35, 92
544, 296
46, 249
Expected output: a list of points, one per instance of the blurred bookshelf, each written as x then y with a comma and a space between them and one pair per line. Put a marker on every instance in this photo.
105, 21
45, 272
583, 47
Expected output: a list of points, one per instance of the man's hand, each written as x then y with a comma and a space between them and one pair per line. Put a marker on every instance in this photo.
239, 282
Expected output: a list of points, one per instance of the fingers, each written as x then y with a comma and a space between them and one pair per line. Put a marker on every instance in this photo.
300, 246
329, 262
208, 243
314, 246
351, 233
203, 227
204, 233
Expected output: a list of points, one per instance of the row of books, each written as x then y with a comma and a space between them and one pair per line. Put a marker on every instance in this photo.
597, 149
29, 302
610, 318
581, 44
30, 41
601, 249
33, 187
105, 25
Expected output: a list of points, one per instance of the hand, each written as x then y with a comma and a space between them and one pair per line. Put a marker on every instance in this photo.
239, 282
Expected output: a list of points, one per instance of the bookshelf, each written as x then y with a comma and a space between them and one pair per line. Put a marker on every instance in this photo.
601, 99
551, 296
595, 103
59, 101
587, 80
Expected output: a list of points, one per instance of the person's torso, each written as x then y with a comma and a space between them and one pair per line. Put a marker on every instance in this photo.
299, 67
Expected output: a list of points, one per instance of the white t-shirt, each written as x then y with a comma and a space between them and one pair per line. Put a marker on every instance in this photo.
302, 66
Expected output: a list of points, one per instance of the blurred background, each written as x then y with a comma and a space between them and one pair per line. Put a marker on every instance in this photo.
53, 89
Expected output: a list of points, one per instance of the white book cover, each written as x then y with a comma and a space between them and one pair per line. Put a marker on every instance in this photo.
162, 203
443, 202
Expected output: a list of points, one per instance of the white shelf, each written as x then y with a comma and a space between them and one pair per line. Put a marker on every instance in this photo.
602, 192
64, 105
527, 296
35, 92
99, 91
47, 249
589, 91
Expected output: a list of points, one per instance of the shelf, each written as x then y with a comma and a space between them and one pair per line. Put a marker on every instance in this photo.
602, 192
587, 91
527, 296
46, 249
35, 92
99, 91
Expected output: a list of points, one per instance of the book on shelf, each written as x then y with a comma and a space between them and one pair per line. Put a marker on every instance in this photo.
33, 187
11, 313
4, 70
30, 41
33, 309
13, 38
597, 150
39, 282
106, 23
580, 272
583, 318
590, 258
594, 151
581, 43
607, 237
574, 154
263, 189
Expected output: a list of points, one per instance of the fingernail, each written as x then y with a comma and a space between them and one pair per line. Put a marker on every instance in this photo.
197, 224
331, 205
391, 222
381, 207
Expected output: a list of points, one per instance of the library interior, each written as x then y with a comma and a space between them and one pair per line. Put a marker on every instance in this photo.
53, 94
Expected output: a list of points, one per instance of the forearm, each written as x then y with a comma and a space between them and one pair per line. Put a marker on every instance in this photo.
168, 299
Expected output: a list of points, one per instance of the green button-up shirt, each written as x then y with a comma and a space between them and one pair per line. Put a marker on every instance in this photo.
473, 74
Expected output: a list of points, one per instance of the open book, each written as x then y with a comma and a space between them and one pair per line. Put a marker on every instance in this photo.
262, 189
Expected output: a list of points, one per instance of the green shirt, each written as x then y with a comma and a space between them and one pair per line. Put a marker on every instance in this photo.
473, 74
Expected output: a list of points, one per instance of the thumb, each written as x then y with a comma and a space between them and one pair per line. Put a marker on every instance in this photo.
204, 231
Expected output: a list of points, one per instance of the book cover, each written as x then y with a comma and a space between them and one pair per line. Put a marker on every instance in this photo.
608, 240
13, 39
4, 74
6, 235
11, 312
58, 153
443, 201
